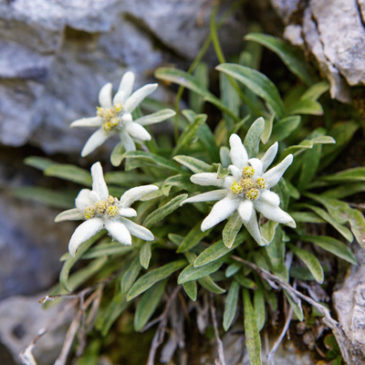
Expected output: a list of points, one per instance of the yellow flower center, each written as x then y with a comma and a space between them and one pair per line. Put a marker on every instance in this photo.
110, 116
252, 194
112, 211
236, 188
89, 212
110, 200
247, 185
108, 207
260, 182
100, 206
248, 171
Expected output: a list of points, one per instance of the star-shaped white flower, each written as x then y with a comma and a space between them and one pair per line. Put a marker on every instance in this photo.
101, 210
246, 190
114, 116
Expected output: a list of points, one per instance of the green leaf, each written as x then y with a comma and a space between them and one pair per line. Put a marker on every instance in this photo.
258, 83
337, 209
70, 173
180, 182
231, 229
190, 132
232, 269
245, 282
150, 159
316, 90
193, 164
267, 129
230, 307
127, 178
209, 284
310, 165
310, 261
307, 103
230, 98
201, 75
306, 106
216, 251
71, 260
285, 127
275, 252
306, 217
342, 133
357, 223
117, 154
107, 249
253, 136
130, 275
154, 276
356, 174
52, 198
148, 304
344, 191
91, 354
308, 144
293, 60
110, 314
193, 273
301, 273
332, 245
259, 306
224, 156
345, 232
191, 289
184, 79
268, 230
253, 341
296, 305
204, 134
194, 236
40, 163
156, 117
145, 254
159, 214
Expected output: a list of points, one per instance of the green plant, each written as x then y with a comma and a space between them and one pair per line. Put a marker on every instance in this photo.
225, 258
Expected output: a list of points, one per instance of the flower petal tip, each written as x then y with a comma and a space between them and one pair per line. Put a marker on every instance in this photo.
292, 224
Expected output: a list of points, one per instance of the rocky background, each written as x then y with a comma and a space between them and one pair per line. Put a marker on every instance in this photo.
54, 57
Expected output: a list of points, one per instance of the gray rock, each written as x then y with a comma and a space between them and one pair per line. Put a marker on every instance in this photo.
285, 8
333, 32
30, 242
21, 320
349, 302
30, 246
339, 89
56, 55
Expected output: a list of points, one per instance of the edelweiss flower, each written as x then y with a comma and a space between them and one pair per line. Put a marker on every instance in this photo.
114, 116
101, 210
246, 190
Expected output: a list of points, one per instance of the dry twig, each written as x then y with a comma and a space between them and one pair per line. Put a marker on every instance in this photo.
345, 344
161, 329
220, 347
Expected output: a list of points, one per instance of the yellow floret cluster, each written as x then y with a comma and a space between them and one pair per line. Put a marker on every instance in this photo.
102, 207
248, 185
110, 116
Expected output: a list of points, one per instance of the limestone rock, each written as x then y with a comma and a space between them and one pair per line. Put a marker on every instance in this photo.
285, 8
21, 320
333, 32
56, 55
30, 246
30, 242
349, 303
